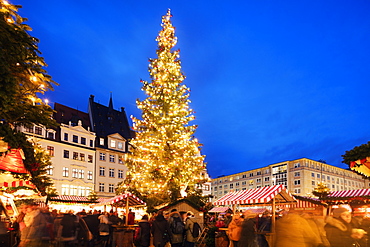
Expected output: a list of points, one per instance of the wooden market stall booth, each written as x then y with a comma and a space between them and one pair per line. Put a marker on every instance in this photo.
276, 195
184, 206
126, 231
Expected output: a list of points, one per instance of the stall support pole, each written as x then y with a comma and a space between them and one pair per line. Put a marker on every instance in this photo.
273, 216
273, 222
127, 211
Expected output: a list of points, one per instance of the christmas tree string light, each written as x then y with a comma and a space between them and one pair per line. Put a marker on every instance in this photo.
166, 157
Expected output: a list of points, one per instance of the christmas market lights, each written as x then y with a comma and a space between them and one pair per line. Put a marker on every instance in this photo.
166, 159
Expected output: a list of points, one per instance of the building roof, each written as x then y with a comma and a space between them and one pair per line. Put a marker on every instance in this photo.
106, 121
64, 114
121, 200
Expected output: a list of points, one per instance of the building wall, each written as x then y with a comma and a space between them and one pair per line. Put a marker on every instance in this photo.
110, 166
73, 161
300, 176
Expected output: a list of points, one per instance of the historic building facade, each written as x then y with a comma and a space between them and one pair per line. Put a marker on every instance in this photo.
300, 176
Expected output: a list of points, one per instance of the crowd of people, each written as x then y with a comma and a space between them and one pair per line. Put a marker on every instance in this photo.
339, 229
40, 227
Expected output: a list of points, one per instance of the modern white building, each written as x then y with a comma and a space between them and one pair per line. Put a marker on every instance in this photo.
300, 177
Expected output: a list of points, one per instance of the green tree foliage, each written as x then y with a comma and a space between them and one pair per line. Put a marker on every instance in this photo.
22, 73
22, 80
357, 153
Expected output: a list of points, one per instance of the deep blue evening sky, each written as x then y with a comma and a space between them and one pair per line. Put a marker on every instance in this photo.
270, 80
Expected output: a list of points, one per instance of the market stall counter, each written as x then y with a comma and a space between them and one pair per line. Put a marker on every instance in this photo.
124, 235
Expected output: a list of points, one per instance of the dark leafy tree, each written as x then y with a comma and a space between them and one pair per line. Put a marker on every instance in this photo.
22, 80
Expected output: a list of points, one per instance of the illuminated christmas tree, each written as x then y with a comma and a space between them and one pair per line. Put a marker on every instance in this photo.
165, 160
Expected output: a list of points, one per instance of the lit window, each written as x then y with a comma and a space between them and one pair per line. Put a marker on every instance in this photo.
90, 158
75, 155
120, 159
65, 172
74, 173
50, 150
81, 174
82, 157
112, 143
120, 145
89, 175
101, 141
49, 170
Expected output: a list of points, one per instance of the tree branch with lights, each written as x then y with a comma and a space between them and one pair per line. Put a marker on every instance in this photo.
165, 160
23, 79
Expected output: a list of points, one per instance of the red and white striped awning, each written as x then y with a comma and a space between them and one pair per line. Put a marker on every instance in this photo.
257, 196
121, 200
349, 193
18, 183
67, 198
219, 210
305, 204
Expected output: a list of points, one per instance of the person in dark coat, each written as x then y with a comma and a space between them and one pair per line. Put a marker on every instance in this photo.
341, 231
160, 230
114, 221
144, 238
92, 222
69, 223
248, 234
176, 238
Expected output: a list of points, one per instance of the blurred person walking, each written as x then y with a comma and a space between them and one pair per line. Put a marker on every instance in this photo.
341, 231
234, 229
160, 230
248, 237
35, 233
143, 240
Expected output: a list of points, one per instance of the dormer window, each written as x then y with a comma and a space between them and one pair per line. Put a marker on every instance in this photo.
38, 130
112, 143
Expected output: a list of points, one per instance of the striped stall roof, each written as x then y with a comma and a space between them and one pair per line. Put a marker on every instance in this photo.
219, 210
257, 196
122, 199
66, 198
18, 183
349, 193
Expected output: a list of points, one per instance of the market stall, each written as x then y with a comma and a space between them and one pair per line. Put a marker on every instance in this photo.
358, 200
266, 196
124, 233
